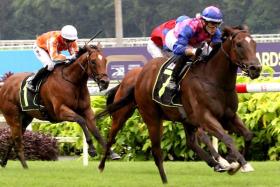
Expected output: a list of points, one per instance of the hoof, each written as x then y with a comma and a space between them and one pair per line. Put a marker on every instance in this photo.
3, 163
224, 163
115, 156
101, 167
219, 168
247, 168
234, 167
92, 153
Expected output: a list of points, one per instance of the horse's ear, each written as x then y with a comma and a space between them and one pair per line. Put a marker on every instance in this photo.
242, 27
245, 27
99, 46
227, 31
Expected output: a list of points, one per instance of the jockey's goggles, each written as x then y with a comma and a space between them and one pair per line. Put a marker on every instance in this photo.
212, 25
69, 41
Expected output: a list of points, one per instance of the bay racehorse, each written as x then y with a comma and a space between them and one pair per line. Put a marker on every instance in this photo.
65, 96
207, 93
120, 116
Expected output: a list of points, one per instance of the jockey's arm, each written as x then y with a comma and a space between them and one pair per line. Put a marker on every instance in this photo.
55, 55
181, 46
216, 39
73, 48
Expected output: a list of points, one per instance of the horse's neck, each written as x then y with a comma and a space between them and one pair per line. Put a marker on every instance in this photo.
76, 72
220, 69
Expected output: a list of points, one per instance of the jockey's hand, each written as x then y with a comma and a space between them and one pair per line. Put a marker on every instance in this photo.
71, 58
67, 61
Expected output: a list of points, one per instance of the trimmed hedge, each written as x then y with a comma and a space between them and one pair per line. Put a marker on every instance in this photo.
37, 146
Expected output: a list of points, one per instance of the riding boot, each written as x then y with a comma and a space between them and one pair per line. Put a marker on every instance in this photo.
172, 86
38, 76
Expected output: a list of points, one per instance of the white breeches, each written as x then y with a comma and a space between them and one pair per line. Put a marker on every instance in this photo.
154, 50
44, 57
170, 39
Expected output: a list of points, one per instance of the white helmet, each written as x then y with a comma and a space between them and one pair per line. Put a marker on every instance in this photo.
69, 32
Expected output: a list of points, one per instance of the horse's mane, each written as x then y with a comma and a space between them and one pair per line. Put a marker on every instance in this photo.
6, 76
84, 49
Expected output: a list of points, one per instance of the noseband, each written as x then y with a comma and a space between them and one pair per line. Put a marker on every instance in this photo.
95, 76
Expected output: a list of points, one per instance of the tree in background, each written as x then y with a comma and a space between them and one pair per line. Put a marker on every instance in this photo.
24, 19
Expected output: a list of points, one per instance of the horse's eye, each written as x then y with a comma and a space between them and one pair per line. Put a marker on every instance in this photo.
238, 45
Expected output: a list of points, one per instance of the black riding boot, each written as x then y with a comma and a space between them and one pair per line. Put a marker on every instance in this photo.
172, 86
38, 76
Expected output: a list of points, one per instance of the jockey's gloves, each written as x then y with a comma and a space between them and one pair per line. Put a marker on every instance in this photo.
72, 57
190, 51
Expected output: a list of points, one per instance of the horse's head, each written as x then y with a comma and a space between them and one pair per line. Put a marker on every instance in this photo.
242, 50
96, 66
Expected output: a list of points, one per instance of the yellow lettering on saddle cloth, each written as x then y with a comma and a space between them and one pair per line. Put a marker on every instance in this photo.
166, 72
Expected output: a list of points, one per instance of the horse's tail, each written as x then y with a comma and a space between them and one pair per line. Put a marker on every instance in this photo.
114, 106
111, 95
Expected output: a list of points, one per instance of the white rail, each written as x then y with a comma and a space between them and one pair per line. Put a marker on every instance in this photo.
126, 42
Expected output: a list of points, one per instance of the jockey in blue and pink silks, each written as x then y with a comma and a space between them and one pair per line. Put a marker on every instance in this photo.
189, 35
156, 45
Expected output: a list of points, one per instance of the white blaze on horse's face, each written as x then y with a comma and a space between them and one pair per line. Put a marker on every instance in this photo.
248, 39
100, 57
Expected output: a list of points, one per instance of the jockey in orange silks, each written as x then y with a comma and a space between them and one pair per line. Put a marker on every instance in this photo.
48, 48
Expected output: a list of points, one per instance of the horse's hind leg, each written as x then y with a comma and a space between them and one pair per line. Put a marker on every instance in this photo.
154, 125
16, 131
4, 159
118, 120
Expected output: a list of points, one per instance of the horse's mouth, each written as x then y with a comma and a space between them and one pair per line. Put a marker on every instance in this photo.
253, 71
103, 85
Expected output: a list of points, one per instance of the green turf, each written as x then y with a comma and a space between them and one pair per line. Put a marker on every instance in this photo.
72, 173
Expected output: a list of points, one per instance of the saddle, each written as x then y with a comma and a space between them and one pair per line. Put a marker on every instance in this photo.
28, 99
162, 80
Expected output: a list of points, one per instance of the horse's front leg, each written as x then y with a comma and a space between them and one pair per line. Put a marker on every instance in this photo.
192, 141
212, 125
204, 138
91, 125
66, 114
237, 126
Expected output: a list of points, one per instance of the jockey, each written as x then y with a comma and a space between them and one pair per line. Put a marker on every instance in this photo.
188, 36
156, 44
48, 47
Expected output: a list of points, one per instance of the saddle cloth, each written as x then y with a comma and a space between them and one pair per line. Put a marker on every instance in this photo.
162, 80
29, 100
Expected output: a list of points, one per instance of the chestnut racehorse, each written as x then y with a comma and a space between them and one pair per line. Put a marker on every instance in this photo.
207, 93
65, 96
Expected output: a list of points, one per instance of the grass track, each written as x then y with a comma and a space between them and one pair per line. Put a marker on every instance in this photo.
133, 174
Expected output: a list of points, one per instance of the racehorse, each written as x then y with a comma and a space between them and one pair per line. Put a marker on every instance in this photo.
65, 96
120, 116
207, 93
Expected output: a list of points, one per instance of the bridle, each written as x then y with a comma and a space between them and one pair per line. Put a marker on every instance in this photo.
243, 66
95, 76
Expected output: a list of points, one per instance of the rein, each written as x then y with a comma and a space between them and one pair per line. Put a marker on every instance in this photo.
227, 55
96, 77
242, 66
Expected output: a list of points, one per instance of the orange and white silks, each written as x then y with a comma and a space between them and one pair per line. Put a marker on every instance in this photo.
53, 43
